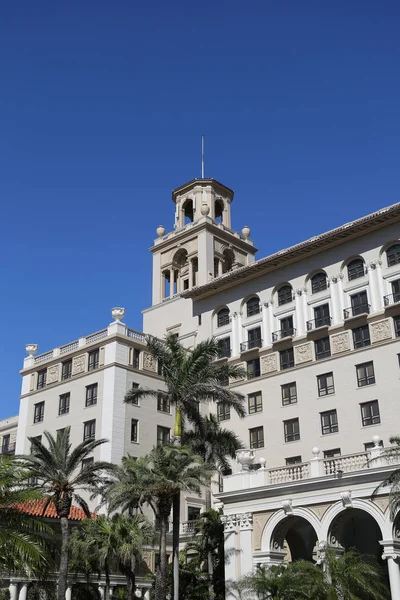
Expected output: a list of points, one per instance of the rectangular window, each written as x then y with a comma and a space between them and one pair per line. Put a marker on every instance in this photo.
369, 445
359, 303
93, 360
365, 374
322, 348
38, 412
293, 460
370, 413
286, 358
135, 358
87, 462
35, 437
289, 393
361, 337
193, 513
256, 437
63, 405
89, 430
396, 291
322, 316
223, 412
41, 379
254, 338
286, 327
329, 422
396, 323
163, 404
224, 347
135, 386
325, 384
163, 435
255, 402
91, 394
5, 444
292, 430
134, 430
66, 372
253, 368
332, 453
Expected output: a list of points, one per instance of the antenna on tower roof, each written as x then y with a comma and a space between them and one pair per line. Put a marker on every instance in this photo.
202, 156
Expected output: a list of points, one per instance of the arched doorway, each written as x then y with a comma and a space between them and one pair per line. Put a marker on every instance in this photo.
296, 537
355, 529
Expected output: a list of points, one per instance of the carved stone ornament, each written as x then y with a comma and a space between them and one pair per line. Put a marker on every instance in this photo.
53, 374
287, 506
299, 292
245, 520
78, 364
346, 499
229, 522
268, 363
382, 502
372, 265
334, 279
303, 353
149, 362
380, 331
340, 342
259, 522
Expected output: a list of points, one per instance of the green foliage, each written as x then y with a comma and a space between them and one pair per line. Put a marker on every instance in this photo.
392, 455
4, 594
85, 591
40, 590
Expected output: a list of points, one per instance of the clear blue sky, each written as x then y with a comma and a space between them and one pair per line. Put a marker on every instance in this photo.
102, 107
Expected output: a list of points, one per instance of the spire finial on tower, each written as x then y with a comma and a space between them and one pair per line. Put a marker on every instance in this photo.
202, 156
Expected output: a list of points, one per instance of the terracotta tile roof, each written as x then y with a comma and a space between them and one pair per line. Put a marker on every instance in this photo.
35, 509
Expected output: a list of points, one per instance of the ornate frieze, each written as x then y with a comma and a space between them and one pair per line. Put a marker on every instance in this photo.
53, 374
303, 353
340, 342
380, 331
245, 520
149, 362
78, 364
269, 363
229, 522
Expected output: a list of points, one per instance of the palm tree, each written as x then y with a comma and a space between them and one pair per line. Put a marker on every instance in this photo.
191, 377
156, 479
22, 546
61, 477
392, 455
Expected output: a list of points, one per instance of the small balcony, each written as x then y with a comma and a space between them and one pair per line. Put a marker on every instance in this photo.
251, 344
356, 311
318, 323
391, 299
190, 527
283, 334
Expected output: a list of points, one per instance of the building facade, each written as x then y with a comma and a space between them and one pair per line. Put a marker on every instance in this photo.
317, 329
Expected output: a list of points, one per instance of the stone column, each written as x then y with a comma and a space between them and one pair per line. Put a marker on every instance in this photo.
341, 296
23, 592
147, 595
239, 329
190, 273
230, 537
171, 282
300, 325
379, 280
246, 542
235, 345
13, 589
391, 553
305, 308
219, 267
334, 301
266, 333
102, 591
373, 286
68, 593
270, 320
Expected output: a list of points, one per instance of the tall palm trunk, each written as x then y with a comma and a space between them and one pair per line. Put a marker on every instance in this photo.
108, 584
210, 566
161, 575
63, 571
176, 513
131, 579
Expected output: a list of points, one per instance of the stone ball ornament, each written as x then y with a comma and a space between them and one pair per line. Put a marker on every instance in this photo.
160, 231
246, 232
316, 451
31, 349
376, 439
118, 313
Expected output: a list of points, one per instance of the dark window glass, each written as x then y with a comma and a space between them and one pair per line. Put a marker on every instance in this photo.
393, 255
91, 394
223, 317
361, 337
292, 430
199, 320
87, 462
253, 306
355, 269
66, 369
224, 347
396, 323
255, 402
321, 315
289, 393
332, 453
93, 360
286, 358
253, 368
256, 437
254, 338
63, 407
163, 435
89, 430
135, 386
41, 379
5, 444
365, 374
329, 422
285, 295
163, 403
396, 290
293, 460
136, 358
223, 412
322, 348
134, 430
325, 384
193, 513
369, 445
38, 415
370, 413
359, 303
286, 326
318, 283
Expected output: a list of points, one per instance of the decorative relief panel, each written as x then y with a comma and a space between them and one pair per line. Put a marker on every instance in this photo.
319, 509
340, 342
259, 522
380, 331
303, 353
149, 362
381, 502
53, 374
268, 363
78, 364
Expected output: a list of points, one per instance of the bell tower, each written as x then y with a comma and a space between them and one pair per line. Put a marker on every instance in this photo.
202, 246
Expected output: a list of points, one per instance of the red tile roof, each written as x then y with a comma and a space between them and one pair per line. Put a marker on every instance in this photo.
35, 509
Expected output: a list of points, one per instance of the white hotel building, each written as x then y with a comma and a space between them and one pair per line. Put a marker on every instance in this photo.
317, 327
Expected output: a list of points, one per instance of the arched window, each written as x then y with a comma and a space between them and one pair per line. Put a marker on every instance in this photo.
219, 210
223, 317
355, 269
318, 282
188, 212
229, 259
393, 255
253, 306
284, 295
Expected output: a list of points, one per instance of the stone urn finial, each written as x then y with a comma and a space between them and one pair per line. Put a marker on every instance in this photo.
117, 313
31, 349
205, 209
376, 440
245, 458
160, 231
246, 232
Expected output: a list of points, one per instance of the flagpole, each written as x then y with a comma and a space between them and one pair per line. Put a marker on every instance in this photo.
202, 156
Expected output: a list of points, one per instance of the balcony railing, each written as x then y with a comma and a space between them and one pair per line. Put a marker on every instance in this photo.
346, 464
289, 332
190, 526
317, 323
294, 472
250, 344
391, 299
354, 311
